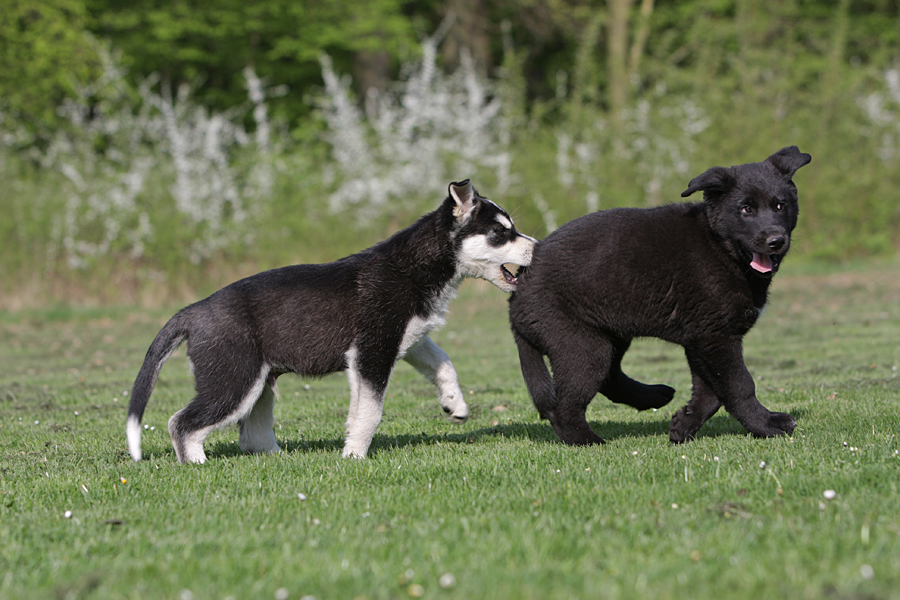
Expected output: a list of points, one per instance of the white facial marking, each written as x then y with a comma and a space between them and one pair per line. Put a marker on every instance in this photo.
504, 220
477, 258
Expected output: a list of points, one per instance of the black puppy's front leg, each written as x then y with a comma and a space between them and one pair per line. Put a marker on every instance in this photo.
722, 367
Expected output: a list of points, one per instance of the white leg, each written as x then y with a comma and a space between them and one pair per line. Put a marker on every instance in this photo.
432, 362
189, 448
188, 440
257, 428
366, 409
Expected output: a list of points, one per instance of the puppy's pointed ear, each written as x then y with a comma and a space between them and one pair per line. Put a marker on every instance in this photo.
465, 197
788, 160
713, 182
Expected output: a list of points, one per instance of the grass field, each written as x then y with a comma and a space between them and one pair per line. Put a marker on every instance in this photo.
495, 508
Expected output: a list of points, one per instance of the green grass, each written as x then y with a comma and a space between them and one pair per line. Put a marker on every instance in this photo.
498, 502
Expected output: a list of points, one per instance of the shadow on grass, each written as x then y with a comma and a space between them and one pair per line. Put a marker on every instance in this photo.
719, 425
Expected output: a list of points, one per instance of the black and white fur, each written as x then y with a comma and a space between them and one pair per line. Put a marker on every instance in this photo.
359, 314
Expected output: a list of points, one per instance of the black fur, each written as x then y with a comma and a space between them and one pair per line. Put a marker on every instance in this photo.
313, 319
696, 275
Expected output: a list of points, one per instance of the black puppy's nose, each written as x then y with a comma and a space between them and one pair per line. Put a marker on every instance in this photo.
775, 242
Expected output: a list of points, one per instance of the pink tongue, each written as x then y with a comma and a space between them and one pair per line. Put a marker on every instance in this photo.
761, 262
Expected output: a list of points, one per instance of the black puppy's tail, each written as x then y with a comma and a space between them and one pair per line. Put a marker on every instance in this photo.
170, 337
537, 376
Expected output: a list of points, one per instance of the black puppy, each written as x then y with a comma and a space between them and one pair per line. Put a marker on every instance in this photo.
696, 275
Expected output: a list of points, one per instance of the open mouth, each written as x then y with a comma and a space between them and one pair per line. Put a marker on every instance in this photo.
508, 276
764, 263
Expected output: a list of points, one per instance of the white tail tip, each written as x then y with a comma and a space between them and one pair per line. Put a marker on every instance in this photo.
133, 434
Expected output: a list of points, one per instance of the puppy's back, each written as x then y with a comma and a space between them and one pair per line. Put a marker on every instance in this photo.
627, 270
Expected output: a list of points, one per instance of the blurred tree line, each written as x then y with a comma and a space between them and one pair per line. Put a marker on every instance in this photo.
147, 141
599, 52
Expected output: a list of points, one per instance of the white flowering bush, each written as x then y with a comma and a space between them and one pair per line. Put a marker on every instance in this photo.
655, 137
426, 130
883, 110
125, 156
659, 138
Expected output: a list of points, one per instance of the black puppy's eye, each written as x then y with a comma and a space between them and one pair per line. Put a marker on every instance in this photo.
779, 207
746, 209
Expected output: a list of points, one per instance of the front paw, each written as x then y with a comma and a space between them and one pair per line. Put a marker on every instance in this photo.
459, 414
683, 426
780, 424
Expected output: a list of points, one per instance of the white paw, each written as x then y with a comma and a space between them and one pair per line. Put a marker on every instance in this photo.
457, 412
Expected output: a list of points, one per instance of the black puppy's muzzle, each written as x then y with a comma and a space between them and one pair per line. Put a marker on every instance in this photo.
775, 243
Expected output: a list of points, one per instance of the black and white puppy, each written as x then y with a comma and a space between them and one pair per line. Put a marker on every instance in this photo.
691, 274
359, 314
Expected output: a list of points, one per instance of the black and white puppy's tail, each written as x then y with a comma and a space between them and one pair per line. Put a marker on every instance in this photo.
537, 376
170, 337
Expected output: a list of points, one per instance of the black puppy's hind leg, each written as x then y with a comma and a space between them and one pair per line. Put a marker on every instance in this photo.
580, 368
622, 389
537, 377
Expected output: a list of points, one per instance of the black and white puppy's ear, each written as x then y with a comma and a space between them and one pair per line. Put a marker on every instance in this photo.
714, 182
788, 160
465, 197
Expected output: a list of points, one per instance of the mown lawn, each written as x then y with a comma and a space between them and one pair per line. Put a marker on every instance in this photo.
495, 508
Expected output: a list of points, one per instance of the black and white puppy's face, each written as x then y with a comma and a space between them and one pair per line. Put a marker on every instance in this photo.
487, 238
754, 207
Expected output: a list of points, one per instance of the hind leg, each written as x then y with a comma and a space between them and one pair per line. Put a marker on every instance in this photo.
257, 428
579, 371
622, 389
428, 359
225, 394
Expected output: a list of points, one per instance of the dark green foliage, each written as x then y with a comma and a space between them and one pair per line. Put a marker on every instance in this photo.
44, 54
211, 42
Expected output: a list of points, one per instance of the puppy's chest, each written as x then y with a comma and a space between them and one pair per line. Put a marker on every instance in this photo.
421, 325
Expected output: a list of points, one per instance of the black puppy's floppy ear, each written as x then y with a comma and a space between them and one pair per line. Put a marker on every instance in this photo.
465, 197
714, 181
788, 160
